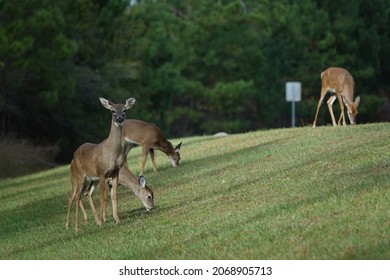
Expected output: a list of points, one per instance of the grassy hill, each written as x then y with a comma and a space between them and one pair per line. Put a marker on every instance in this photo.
298, 193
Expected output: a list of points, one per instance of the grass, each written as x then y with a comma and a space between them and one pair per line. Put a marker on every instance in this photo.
298, 193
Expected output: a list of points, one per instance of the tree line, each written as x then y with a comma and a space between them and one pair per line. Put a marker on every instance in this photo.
195, 67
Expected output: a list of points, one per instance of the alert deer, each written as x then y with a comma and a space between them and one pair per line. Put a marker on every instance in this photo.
150, 137
339, 82
103, 161
127, 179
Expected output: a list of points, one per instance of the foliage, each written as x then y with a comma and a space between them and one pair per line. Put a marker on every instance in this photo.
194, 67
279, 194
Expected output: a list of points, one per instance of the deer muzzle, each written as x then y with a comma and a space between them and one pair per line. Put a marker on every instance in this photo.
120, 120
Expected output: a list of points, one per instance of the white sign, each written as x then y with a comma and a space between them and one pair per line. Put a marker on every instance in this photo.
293, 94
293, 91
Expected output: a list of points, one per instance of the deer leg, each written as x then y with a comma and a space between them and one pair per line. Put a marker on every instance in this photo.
90, 200
145, 151
84, 212
342, 115
323, 92
105, 210
114, 198
85, 189
70, 201
77, 203
340, 118
127, 148
105, 207
105, 202
151, 151
330, 103
102, 188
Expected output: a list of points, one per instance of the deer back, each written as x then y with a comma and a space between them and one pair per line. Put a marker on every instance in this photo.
339, 80
141, 132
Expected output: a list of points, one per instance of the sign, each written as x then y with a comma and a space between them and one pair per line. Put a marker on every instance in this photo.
293, 91
293, 94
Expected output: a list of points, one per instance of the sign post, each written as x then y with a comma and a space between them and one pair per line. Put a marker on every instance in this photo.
293, 94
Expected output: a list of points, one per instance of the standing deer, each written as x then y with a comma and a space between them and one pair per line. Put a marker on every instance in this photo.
150, 137
103, 161
339, 82
126, 179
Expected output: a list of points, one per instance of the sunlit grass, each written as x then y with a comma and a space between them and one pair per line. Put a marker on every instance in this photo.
281, 194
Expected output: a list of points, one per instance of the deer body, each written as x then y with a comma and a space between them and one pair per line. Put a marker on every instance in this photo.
103, 161
127, 179
137, 186
150, 137
339, 82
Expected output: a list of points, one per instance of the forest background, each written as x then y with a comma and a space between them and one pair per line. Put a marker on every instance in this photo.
195, 67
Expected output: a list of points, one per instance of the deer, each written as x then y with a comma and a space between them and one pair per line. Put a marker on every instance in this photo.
103, 160
127, 179
150, 137
340, 84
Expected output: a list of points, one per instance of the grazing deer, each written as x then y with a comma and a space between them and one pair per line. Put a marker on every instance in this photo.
150, 137
103, 161
339, 82
126, 179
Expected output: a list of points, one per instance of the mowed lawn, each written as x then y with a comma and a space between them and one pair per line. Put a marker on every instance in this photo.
299, 193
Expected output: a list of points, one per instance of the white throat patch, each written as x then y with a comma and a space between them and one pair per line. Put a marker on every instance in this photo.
172, 161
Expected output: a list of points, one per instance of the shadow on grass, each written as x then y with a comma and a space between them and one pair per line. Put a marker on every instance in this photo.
34, 214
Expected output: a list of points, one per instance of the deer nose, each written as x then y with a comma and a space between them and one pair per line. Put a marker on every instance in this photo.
120, 120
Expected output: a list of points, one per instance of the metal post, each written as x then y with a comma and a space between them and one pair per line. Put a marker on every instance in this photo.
293, 114
293, 94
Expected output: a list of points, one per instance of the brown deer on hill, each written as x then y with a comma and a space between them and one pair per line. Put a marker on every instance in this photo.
103, 161
150, 137
127, 179
339, 82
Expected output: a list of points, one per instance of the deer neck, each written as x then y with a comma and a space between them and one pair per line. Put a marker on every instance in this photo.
166, 147
127, 179
135, 188
114, 138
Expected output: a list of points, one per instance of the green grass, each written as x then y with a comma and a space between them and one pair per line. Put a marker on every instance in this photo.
298, 193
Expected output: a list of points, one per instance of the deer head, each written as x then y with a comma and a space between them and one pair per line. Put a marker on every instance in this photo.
174, 157
351, 108
145, 194
118, 110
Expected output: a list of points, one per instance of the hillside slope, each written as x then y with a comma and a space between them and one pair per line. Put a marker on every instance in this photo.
297, 193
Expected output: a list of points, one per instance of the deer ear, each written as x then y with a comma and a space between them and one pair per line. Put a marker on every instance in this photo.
142, 181
357, 101
177, 148
129, 103
106, 103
